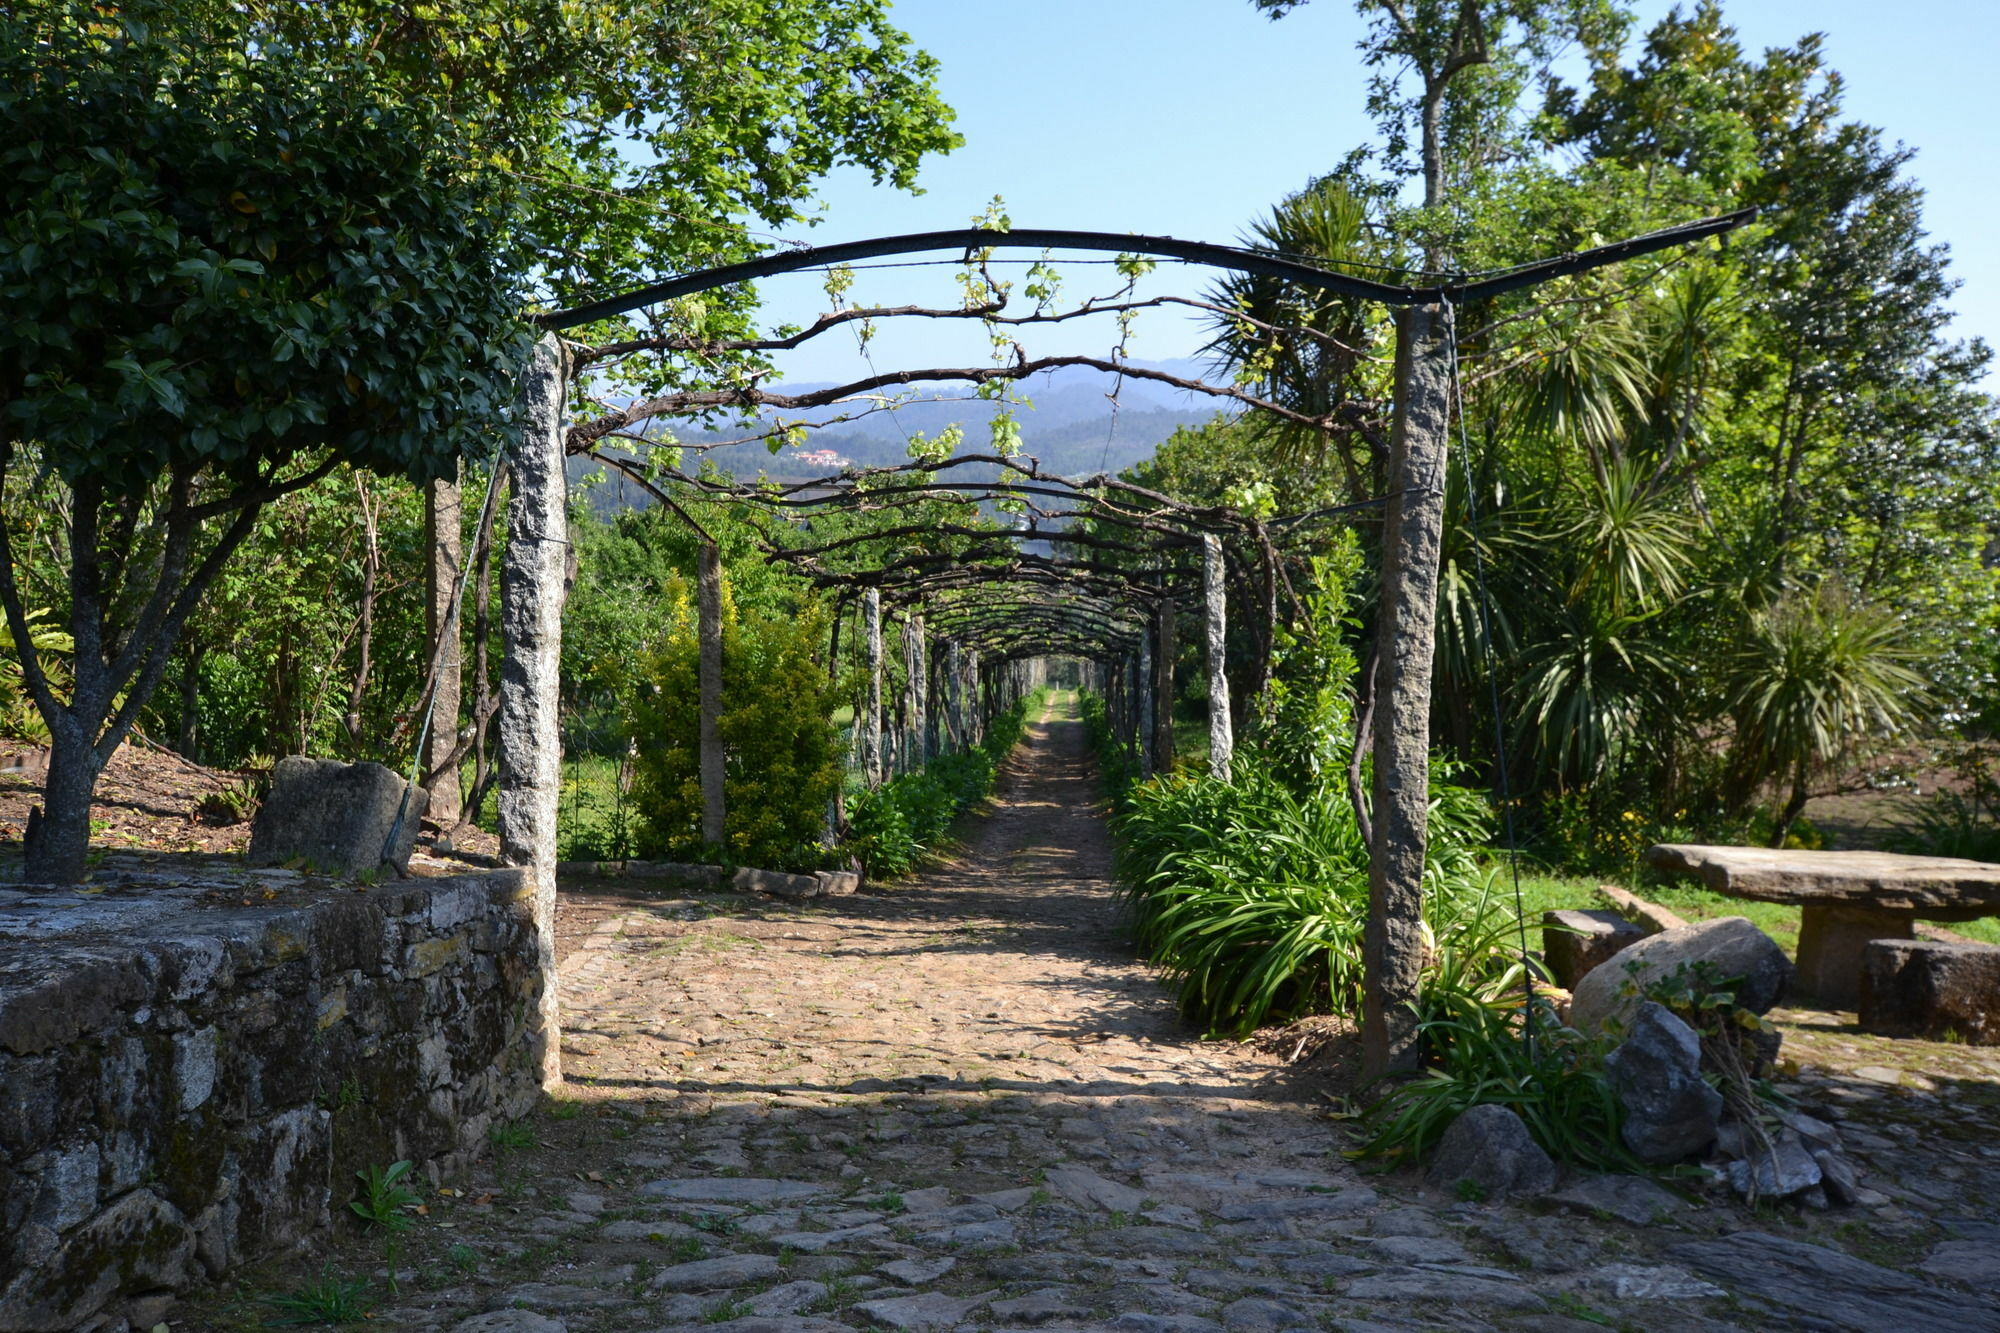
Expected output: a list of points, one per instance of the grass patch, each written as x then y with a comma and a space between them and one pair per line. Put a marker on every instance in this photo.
1541, 892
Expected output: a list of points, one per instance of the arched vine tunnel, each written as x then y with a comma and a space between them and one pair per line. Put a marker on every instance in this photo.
1094, 569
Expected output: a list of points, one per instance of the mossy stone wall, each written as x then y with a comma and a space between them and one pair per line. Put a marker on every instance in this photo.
192, 1072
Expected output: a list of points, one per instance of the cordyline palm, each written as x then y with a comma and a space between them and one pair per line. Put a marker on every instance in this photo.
1300, 347
1809, 676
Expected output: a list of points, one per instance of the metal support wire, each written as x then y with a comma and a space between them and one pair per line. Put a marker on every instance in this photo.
1492, 680
450, 627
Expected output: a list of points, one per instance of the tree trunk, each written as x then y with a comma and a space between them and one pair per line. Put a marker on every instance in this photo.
188, 742
1214, 576
57, 846
371, 572
708, 590
442, 516
1795, 805
1412, 527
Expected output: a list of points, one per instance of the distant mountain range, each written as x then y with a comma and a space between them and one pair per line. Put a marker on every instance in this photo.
1074, 427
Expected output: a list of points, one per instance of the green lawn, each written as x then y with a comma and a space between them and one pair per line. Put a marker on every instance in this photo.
1542, 892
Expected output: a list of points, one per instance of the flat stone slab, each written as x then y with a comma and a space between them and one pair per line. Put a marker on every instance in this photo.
723, 1274
1635, 1199
1081, 1185
1837, 1290
732, 1189
1651, 1282
916, 1272
1882, 880
510, 1321
920, 1314
1451, 1288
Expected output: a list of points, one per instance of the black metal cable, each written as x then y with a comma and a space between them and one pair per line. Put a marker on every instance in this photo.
1491, 657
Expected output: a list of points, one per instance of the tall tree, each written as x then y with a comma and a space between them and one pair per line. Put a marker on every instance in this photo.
232, 269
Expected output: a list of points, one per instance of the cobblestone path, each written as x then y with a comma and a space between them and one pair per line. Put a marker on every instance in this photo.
961, 1103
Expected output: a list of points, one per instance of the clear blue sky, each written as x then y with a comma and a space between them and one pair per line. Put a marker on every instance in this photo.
1189, 117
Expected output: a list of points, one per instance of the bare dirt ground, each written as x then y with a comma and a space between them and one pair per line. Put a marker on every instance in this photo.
961, 1102
150, 802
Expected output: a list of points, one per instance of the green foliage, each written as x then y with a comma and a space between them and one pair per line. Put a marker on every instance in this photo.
1960, 824
384, 1197
385, 1203
198, 226
1808, 676
1305, 719
1555, 1082
18, 717
1251, 896
896, 825
330, 1301
782, 762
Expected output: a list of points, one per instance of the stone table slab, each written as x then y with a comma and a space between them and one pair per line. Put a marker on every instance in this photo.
1930, 886
1847, 899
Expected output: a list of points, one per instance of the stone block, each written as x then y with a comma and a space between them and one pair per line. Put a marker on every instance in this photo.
1832, 941
1490, 1147
336, 817
1932, 988
1670, 1112
775, 882
838, 883
1731, 943
1575, 942
172, 1098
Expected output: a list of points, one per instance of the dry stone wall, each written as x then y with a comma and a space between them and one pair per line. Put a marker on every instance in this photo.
191, 1072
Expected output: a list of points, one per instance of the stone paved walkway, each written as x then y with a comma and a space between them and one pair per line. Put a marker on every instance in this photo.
960, 1103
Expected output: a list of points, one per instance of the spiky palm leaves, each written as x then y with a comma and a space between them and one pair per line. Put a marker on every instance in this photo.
1304, 349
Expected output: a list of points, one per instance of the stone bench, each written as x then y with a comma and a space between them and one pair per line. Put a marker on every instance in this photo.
1947, 990
1847, 900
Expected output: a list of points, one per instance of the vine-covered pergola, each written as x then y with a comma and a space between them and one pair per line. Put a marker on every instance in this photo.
1094, 568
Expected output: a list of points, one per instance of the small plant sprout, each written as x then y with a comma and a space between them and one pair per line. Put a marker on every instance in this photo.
330, 1301
384, 1202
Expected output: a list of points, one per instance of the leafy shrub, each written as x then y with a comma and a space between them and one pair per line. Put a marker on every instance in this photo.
1490, 1034
1952, 824
1116, 769
782, 759
894, 826
1251, 896
1555, 1082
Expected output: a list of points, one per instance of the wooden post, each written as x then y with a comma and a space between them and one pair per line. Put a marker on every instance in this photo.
1412, 526
531, 606
1214, 574
1163, 685
871, 721
708, 598
441, 574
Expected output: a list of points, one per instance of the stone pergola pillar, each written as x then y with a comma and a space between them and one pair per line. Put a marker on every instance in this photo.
871, 721
1412, 528
1163, 685
917, 669
442, 537
1143, 714
708, 723
531, 605
953, 702
1215, 594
